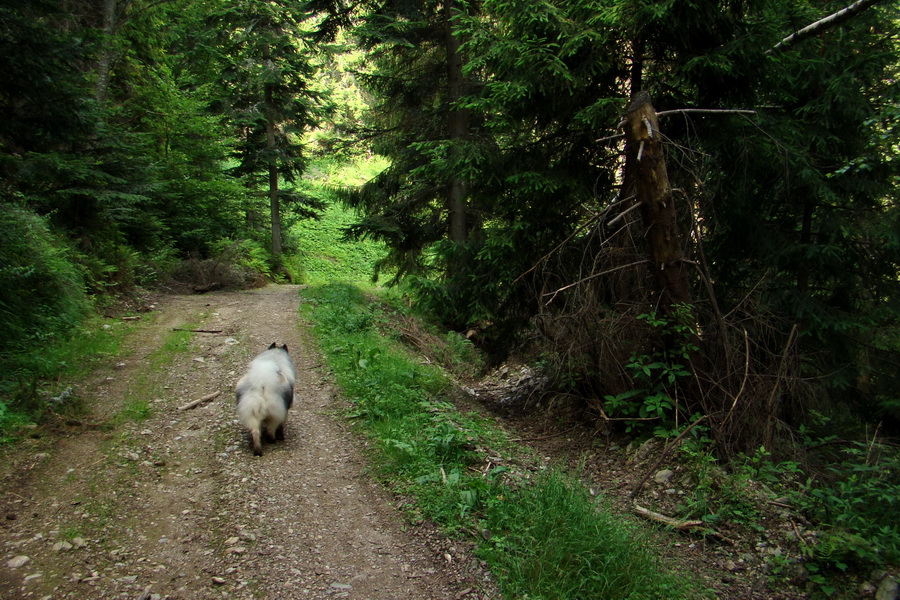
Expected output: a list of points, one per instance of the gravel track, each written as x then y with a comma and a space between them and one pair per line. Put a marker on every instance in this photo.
176, 506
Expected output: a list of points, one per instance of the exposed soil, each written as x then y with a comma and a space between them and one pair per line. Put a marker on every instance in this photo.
175, 506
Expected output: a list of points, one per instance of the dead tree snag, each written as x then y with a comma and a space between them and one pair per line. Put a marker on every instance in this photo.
645, 158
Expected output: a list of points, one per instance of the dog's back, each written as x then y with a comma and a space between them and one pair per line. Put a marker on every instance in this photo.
265, 393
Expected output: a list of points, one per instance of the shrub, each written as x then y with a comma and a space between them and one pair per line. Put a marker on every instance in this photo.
41, 290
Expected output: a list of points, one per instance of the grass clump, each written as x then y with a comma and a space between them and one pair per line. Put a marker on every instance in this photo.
551, 539
543, 536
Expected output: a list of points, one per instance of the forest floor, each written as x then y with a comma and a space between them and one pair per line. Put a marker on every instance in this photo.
173, 505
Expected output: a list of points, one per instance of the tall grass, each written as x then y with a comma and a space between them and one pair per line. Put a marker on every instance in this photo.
542, 535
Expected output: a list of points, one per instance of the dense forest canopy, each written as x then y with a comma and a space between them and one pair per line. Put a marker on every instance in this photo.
136, 134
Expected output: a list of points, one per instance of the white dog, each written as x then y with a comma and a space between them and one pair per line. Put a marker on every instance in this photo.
265, 394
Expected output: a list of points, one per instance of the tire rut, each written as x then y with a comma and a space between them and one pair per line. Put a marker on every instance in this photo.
176, 506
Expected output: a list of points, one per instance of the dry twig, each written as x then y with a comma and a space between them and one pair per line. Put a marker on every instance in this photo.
198, 330
200, 401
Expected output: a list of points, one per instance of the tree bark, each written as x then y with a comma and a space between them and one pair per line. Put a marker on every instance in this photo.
274, 203
646, 160
104, 62
637, 66
458, 128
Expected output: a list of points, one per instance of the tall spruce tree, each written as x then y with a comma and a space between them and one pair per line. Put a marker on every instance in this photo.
266, 74
416, 77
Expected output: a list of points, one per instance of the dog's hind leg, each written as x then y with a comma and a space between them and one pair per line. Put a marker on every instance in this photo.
256, 441
272, 429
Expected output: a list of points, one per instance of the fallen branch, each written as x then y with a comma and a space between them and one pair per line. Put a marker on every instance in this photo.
800, 537
200, 401
680, 525
198, 330
821, 25
660, 518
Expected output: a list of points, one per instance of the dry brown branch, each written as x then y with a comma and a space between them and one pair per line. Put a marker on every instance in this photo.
797, 532
824, 24
681, 525
660, 518
622, 214
746, 373
616, 136
593, 276
200, 401
720, 111
565, 241
778, 377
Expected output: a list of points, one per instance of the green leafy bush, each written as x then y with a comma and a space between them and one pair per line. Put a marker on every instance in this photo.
656, 375
42, 291
858, 509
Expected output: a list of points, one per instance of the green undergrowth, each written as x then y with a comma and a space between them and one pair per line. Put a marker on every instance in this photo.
33, 380
541, 533
323, 253
36, 384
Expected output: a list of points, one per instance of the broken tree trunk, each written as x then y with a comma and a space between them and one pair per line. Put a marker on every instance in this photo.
646, 160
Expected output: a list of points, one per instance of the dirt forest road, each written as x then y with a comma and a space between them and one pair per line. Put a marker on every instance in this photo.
175, 506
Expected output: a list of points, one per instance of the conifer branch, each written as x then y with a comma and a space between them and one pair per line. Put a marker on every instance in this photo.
832, 20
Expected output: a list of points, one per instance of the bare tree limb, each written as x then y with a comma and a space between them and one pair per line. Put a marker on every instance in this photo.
198, 330
832, 20
720, 111
660, 518
593, 276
